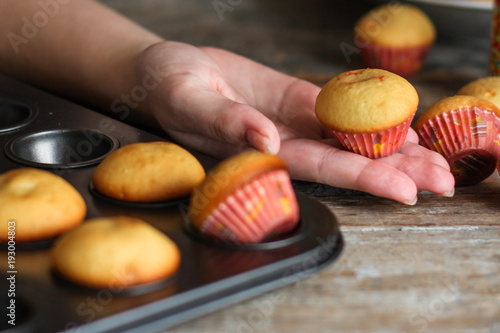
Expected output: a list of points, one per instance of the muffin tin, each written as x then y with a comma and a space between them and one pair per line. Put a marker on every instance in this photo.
41, 130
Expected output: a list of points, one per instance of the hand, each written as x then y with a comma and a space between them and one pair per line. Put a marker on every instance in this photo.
220, 103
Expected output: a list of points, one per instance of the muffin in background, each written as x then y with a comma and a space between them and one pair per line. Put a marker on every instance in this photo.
36, 205
487, 88
246, 198
368, 110
396, 37
464, 129
115, 252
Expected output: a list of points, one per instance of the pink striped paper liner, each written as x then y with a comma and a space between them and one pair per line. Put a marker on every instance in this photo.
496, 141
263, 207
401, 61
468, 139
377, 144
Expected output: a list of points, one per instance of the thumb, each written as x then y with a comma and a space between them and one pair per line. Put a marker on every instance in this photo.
204, 119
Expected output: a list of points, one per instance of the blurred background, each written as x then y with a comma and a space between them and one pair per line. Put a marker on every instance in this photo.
313, 39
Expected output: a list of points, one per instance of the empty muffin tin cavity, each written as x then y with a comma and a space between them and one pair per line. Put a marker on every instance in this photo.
15, 115
21, 314
61, 148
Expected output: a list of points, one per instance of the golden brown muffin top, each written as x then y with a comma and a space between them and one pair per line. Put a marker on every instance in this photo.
487, 88
454, 103
115, 251
41, 204
148, 172
226, 178
365, 101
396, 25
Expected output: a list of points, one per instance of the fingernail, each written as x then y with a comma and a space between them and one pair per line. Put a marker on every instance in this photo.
267, 145
411, 203
449, 194
258, 141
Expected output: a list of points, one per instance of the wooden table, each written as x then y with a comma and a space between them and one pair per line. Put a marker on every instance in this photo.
431, 267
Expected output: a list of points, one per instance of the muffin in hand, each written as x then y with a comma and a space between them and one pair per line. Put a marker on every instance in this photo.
368, 110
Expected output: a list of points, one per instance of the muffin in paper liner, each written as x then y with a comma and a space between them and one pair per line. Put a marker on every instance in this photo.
497, 141
396, 37
401, 61
468, 138
261, 208
245, 199
368, 110
377, 144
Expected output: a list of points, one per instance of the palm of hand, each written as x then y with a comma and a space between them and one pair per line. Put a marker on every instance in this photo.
220, 103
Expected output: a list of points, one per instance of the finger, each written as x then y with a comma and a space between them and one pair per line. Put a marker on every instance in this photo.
416, 150
412, 136
427, 169
315, 161
208, 113
212, 147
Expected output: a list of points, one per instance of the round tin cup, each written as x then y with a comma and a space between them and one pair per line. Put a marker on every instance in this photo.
133, 204
61, 148
15, 115
317, 227
41, 244
134, 290
25, 313
271, 243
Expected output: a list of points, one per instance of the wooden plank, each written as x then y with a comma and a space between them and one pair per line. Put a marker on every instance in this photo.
438, 279
472, 205
434, 266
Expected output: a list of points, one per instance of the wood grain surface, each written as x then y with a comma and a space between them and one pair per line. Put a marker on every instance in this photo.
432, 267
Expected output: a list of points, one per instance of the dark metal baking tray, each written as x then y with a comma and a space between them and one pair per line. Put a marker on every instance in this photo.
212, 275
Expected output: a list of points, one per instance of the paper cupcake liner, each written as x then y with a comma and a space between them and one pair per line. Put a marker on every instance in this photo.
376, 144
401, 61
468, 139
496, 142
265, 206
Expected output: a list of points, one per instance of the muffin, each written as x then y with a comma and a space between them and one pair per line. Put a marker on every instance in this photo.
115, 252
368, 110
148, 172
396, 37
245, 199
487, 88
464, 129
36, 205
